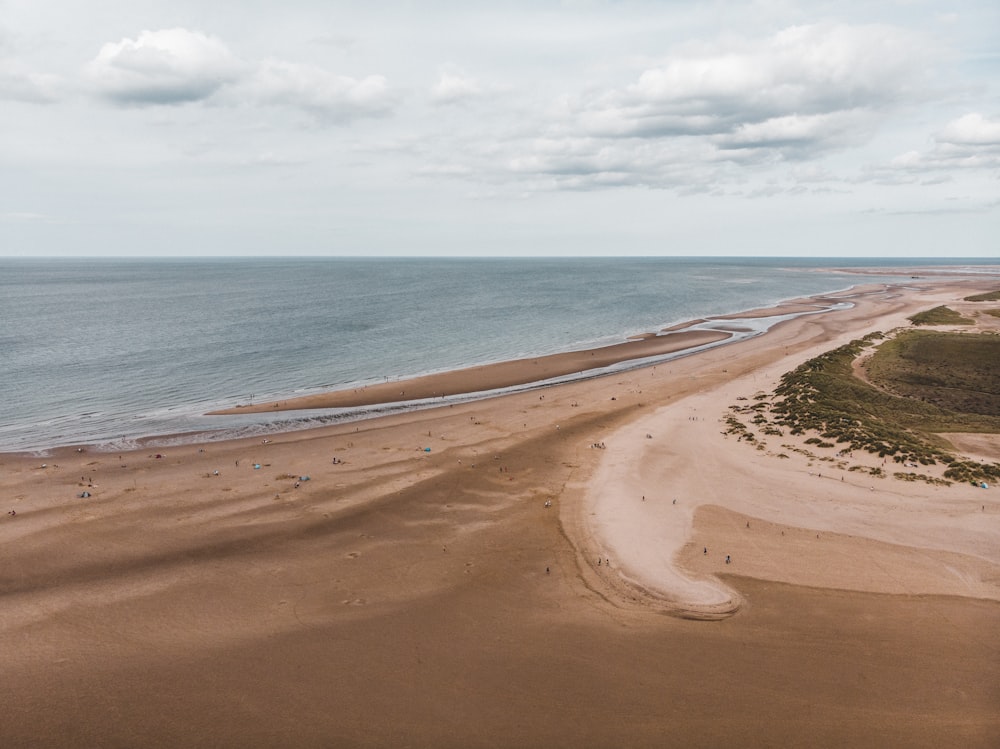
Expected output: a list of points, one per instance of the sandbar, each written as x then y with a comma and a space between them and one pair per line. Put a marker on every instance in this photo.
492, 376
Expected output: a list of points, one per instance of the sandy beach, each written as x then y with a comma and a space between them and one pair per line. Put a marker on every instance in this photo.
546, 568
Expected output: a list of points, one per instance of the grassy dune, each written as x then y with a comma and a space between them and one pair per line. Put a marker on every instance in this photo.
924, 383
990, 296
940, 316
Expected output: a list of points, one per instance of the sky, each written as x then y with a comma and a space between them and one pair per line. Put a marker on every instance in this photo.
542, 128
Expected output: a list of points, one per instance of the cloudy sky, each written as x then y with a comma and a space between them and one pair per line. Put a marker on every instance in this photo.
186, 127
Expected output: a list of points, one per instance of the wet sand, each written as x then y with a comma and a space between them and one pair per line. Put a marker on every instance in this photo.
406, 597
493, 376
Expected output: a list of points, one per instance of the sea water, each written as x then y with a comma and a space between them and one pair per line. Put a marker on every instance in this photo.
104, 351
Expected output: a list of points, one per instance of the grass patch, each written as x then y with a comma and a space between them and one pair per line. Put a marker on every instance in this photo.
877, 472
989, 296
940, 316
933, 480
818, 442
994, 312
738, 428
958, 372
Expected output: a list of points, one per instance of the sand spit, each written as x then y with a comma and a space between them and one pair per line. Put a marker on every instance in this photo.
662, 467
493, 376
494, 573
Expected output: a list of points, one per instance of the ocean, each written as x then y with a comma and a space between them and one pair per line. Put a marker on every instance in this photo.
107, 351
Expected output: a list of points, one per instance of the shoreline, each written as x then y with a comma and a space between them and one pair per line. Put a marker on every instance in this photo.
494, 379
502, 377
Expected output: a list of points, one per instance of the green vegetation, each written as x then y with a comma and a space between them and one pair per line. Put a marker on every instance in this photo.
940, 316
738, 428
990, 296
933, 382
921, 477
957, 372
877, 472
994, 312
818, 442
973, 472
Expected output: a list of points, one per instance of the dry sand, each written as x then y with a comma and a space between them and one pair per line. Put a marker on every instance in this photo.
405, 597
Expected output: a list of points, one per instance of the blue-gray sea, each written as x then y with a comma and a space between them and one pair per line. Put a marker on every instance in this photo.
105, 351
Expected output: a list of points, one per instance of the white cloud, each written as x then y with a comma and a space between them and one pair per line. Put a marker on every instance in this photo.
793, 96
169, 66
453, 88
711, 112
971, 130
970, 142
20, 81
327, 96
799, 72
21, 84
587, 163
811, 173
178, 66
796, 135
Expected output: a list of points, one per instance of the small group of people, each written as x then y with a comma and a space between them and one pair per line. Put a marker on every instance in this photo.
704, 551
